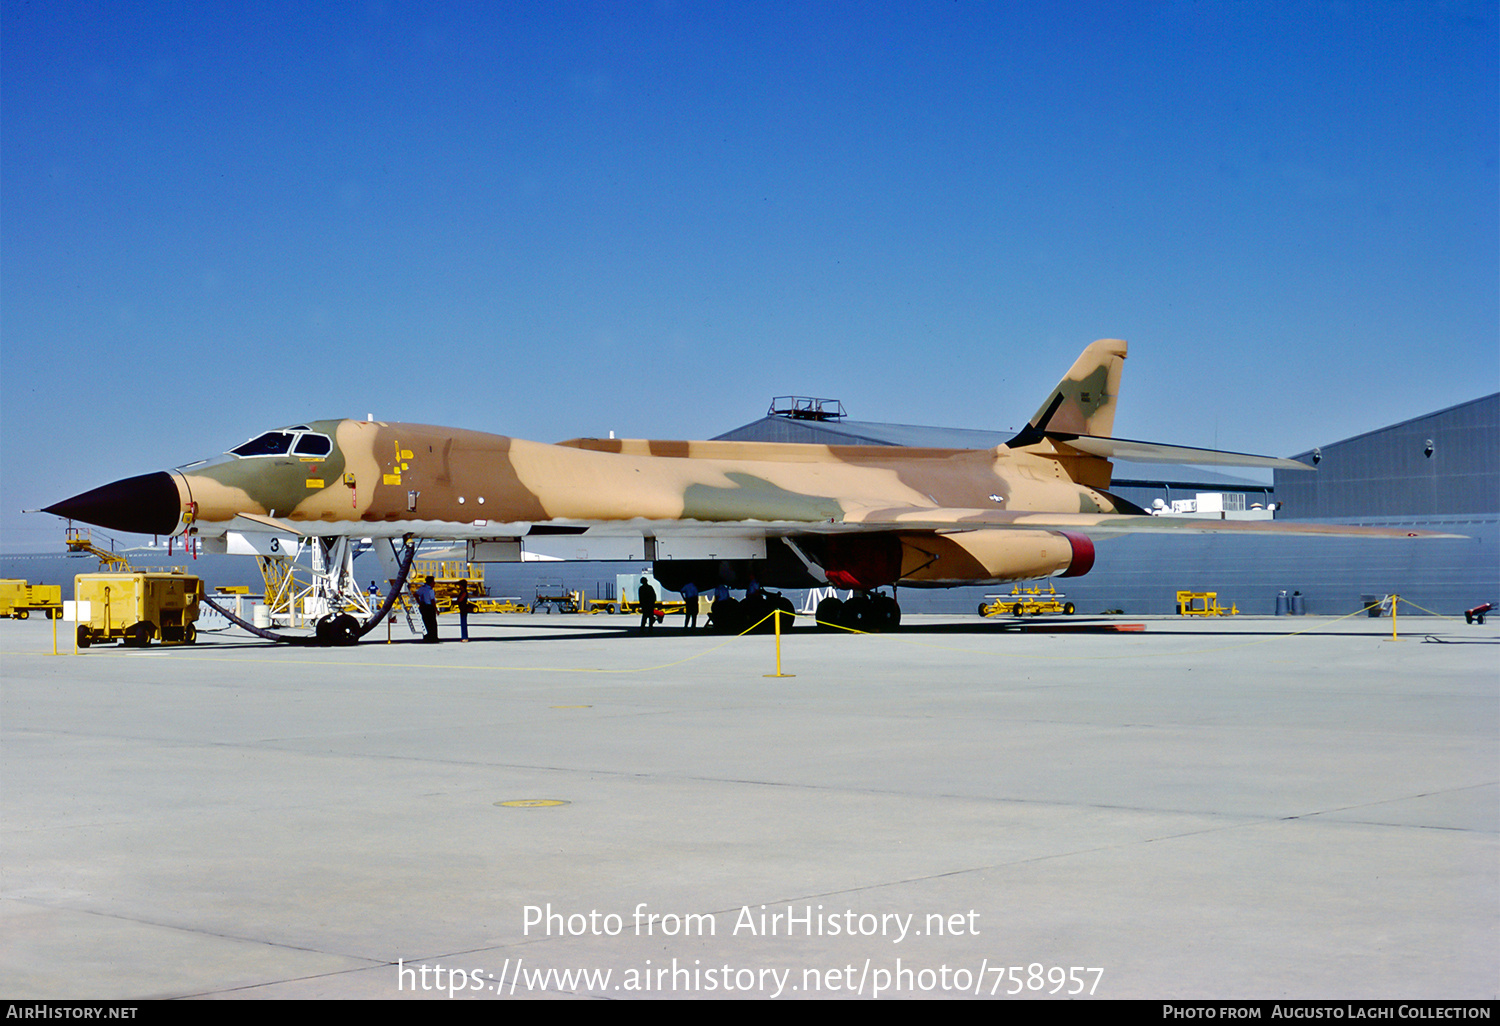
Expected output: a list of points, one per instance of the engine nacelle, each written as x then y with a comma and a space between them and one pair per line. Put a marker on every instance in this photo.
969, 557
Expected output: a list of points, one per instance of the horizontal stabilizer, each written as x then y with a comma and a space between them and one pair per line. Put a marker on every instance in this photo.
1154, 452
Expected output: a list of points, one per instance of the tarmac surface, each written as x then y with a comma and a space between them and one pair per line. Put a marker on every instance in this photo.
1213, 809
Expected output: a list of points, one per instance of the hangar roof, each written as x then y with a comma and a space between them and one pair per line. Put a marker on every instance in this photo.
1440, 464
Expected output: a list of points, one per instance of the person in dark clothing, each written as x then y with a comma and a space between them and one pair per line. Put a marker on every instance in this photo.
463, 610
647, 598
689, 606
427, 606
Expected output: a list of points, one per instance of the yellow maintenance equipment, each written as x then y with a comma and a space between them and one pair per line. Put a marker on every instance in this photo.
1021, 601
508, 604
1203, 603
596, 605
137, 607
284, 592
552, 597
447, 575
81, 542
18, 599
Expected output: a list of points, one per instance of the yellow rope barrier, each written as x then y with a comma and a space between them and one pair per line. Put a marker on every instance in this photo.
1123, 655
732, 638
1429, 612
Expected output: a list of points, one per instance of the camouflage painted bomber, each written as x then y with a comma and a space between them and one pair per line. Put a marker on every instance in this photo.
871, 514
410, 475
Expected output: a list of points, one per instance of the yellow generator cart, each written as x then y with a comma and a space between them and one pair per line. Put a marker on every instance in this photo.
18, 599
138, 607
1203, 603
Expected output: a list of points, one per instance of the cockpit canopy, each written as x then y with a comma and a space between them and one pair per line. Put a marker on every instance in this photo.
293, 441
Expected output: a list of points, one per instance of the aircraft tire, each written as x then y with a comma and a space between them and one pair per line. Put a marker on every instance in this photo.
859, 613
341, 629
755, 611
882, 614
345, 629
830, 614
724, 617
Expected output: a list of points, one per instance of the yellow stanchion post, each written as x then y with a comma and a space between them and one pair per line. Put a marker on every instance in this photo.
777, 615
54, 630
1395, 600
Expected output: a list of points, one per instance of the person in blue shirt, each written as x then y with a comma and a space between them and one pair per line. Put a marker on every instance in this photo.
427, 606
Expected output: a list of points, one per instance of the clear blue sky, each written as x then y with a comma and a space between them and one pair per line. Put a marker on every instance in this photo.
560, 219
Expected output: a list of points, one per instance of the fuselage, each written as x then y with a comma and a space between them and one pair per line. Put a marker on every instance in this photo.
386, 479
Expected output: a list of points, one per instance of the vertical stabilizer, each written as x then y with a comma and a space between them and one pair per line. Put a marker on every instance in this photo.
1083, 403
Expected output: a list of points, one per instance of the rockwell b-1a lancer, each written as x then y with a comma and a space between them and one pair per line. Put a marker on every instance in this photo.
784, 515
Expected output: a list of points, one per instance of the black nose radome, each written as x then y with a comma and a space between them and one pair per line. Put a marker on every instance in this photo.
141, 505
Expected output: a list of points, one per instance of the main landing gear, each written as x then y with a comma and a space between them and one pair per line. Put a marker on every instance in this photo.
868, 611
753, 612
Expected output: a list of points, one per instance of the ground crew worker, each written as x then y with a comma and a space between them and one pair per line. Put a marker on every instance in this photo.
689, 606
427, 605
647, 598
464, 605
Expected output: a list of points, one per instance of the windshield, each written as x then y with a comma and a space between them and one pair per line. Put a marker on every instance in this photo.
272, 443
313, 445
296, 441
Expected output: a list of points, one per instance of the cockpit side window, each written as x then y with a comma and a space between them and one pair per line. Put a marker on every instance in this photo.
272, 443
312, 445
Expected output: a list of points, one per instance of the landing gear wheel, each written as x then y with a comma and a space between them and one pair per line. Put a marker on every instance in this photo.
890, 611
859, 613
341, 629
830, 614
724, 617
755, 613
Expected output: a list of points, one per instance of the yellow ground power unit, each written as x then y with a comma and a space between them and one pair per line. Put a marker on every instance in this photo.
18, 599
138, 607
